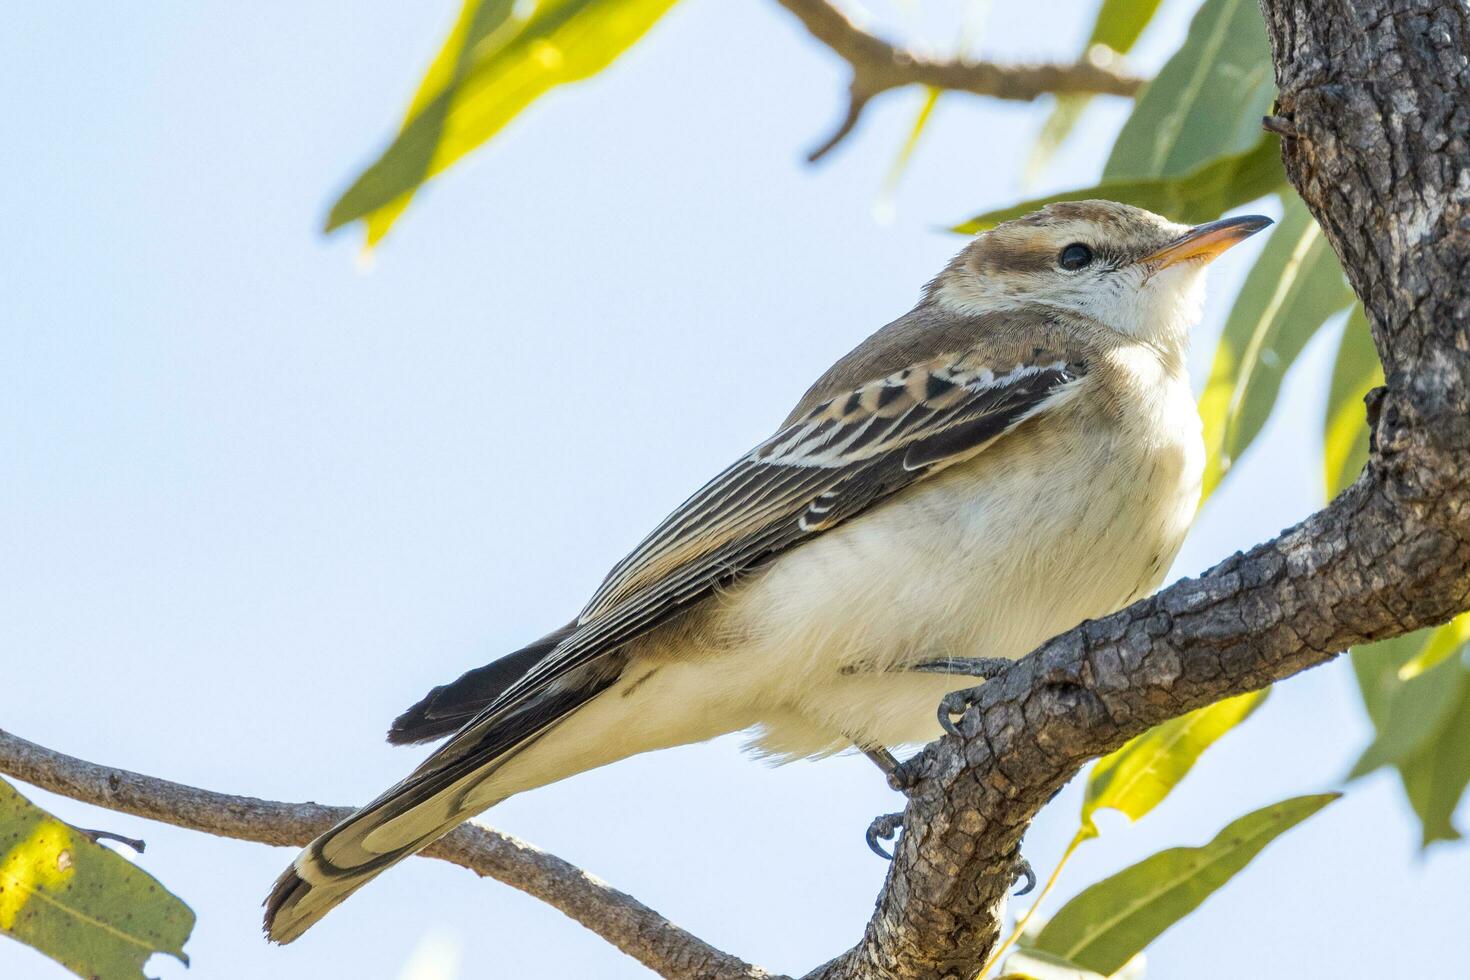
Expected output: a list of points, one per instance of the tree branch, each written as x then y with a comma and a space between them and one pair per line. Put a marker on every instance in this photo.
1372, 100
878, 66
621, 919
1374, 93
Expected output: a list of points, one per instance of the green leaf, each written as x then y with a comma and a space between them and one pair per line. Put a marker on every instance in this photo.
1201, 195
1376, 666
1447, 641
1137, 777
1112, 921
1288, 294
1416, 711
1355, 371
1120, 23
1207, 100
493, 65
79, 903
1436, 778
1422, 723
1117, 28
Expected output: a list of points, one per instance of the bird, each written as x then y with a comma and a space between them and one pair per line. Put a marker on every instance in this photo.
1019, 452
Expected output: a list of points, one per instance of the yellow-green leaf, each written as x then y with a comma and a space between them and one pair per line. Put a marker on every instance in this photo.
1203, 194
1116, 29
79, 903
1446, 641
1355, 371
1137, 777
1120, 23
1289, 293
494, 64
906, 151
1112, 921
1207, 100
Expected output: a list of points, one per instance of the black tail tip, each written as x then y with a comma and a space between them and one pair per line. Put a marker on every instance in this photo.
289, 890
413, 726
420, 723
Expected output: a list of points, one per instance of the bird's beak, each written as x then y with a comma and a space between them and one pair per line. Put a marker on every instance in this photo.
1205, 242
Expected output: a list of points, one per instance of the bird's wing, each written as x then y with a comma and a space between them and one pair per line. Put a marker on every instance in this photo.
830, 464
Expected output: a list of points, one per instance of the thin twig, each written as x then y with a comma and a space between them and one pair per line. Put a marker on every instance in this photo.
878, 65
618, 918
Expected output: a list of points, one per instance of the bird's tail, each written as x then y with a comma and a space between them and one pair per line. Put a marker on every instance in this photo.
452, 785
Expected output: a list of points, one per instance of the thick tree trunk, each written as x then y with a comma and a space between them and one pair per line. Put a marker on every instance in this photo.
1376, 97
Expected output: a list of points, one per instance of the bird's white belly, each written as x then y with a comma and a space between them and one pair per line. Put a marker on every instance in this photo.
983, 560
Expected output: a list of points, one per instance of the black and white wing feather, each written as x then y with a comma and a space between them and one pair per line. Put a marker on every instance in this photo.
827, 466
824, 468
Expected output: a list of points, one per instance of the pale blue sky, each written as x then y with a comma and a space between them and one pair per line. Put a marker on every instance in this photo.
254, 500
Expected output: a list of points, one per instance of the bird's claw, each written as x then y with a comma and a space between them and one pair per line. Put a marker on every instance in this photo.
955, 704
1023, 871
884, 827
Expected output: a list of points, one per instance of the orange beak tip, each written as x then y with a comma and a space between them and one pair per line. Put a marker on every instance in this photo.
1208, 241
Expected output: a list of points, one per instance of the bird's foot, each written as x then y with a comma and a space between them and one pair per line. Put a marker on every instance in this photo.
955, 704
884, 827
988, 668
902, 776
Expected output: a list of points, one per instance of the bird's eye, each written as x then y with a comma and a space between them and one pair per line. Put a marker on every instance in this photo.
1075, 256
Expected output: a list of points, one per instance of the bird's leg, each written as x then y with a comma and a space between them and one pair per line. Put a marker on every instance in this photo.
901, 777
987, 668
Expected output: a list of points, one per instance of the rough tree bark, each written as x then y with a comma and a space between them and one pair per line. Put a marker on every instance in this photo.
1375, 112
1376, 97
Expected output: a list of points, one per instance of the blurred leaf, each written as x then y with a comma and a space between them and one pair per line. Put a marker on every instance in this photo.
1435, 779
1288, 294
906, 152
493, 64
1376, 666
1355, 371
1415, 713
1112, 921
1137, 777
1203, 194
1121, 22
1422, 723
1445, 642
1116, 29
82, 905
1207, 100
1066, 111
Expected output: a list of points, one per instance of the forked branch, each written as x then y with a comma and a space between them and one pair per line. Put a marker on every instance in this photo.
878, 65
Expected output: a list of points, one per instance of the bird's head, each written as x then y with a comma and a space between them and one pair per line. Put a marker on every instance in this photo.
1123, 267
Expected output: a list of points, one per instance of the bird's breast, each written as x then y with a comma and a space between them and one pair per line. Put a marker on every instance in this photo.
1068, 518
